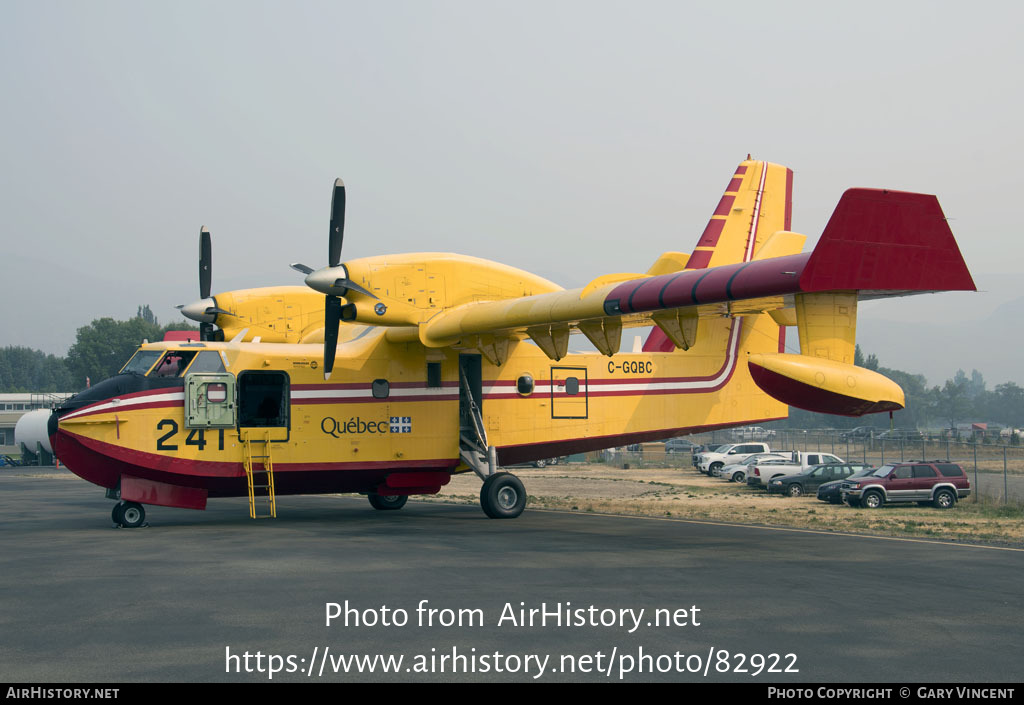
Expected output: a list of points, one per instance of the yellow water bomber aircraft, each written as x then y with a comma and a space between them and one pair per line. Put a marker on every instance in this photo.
386, 375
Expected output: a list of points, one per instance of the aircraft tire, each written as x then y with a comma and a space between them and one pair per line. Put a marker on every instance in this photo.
115, 514
503, 496
387, 502
132, 515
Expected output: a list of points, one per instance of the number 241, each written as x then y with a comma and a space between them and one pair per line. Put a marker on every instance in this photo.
196, 436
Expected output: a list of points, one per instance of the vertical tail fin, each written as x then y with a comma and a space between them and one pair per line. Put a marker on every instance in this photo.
758, 201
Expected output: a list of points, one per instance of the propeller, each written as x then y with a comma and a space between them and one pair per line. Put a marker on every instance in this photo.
205, 310
333, 279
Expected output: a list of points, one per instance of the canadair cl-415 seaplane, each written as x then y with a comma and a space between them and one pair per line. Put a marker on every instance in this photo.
386, 375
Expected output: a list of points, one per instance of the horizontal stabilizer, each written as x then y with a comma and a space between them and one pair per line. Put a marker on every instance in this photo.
886, 241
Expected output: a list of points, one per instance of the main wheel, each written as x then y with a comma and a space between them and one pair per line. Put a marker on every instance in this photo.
387, 501
714, 466
873, 500
794, 490
503, 496
944, 499
738, 476
132, 515
115, 514
540, 463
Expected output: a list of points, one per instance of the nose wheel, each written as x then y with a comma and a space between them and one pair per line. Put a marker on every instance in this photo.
503, 496
129, 515
387, 502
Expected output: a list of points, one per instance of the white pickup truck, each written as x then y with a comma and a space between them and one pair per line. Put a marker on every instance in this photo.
728, 455
759, 476
752, 433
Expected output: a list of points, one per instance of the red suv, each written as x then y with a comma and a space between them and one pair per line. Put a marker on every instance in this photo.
937, 483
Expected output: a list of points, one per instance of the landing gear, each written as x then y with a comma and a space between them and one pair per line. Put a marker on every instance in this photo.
386, 501
129, 515
503, 496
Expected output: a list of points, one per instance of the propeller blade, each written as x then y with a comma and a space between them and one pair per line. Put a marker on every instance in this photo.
337, 224
205, 262
332, 315
299, 267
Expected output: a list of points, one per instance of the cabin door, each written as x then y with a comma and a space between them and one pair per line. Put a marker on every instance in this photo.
264, 403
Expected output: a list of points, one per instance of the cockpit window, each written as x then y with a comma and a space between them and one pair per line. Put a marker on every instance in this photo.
207, 361
173, 364
141, 361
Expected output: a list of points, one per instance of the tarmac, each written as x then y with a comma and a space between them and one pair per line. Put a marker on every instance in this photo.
185, 598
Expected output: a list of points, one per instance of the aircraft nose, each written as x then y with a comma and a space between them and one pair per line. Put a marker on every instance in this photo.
51, 426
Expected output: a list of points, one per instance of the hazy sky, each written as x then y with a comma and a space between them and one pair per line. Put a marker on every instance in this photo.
568, 138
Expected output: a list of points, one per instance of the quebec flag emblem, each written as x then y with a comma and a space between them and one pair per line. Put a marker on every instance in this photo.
401, 424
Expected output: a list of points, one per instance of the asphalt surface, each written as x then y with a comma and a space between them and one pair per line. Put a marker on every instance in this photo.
81, 601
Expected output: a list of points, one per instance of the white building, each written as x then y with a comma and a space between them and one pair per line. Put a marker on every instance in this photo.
14, 406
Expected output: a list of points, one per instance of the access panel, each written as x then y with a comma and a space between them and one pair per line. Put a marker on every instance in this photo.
569, 392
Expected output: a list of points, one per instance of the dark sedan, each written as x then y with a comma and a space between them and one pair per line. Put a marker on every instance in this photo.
797, 485
830, 491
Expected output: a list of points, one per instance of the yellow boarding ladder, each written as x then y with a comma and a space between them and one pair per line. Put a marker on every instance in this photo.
264, 476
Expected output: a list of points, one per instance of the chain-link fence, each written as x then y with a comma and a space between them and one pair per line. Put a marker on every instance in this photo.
996, 470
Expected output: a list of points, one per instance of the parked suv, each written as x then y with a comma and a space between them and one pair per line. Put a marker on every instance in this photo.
859, 433
728, 455
680, 445
938, 483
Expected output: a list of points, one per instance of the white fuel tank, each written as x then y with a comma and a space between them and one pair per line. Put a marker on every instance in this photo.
31, 428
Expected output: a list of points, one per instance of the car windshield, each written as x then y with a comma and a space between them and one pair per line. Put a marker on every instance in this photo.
880, 472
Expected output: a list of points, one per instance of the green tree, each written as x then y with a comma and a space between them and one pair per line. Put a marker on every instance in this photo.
1007, 404
869, 363
917, 401
102, 347
27, 370
146, 314
953, 402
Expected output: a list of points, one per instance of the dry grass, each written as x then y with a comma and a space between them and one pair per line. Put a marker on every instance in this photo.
687, 494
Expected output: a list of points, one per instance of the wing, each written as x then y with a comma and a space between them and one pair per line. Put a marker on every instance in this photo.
877, 244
